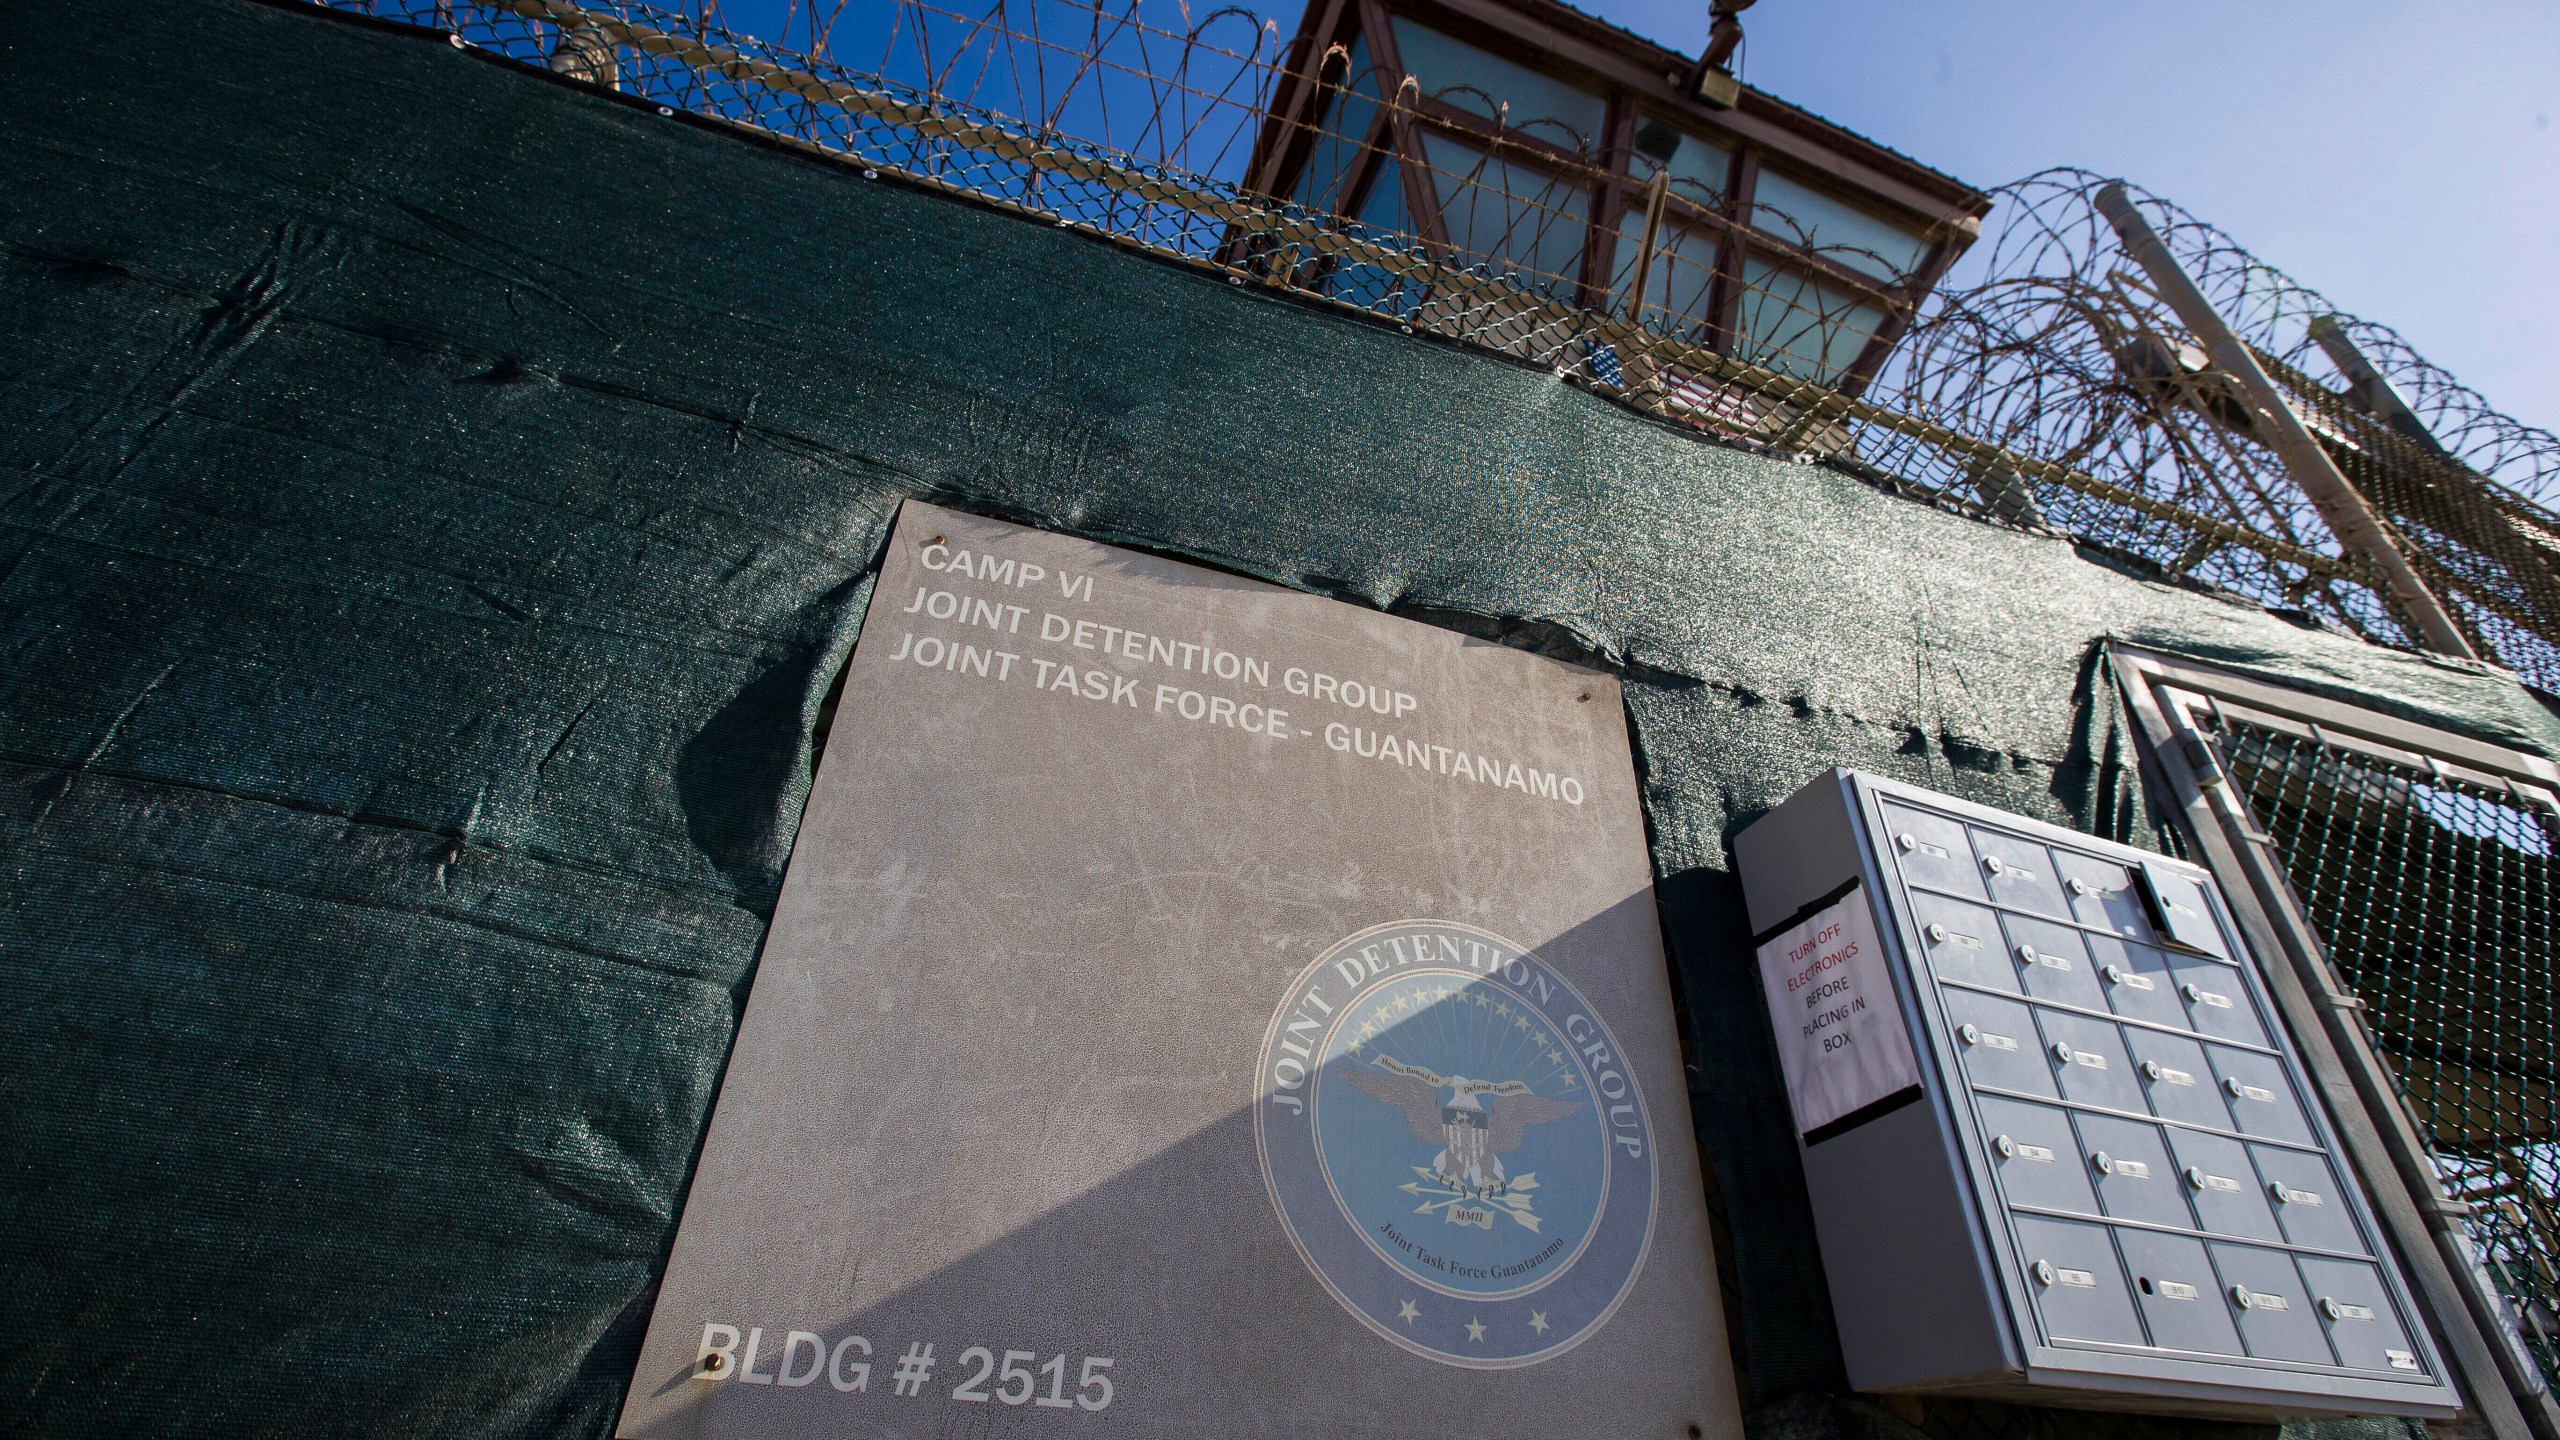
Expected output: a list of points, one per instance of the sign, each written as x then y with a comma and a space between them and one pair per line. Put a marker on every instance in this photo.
1841, 1036
1201, 1008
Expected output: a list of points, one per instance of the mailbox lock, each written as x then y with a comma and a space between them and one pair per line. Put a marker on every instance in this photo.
1992, 864
2103, 1163
2240, 1296
2234, 1087
2150, 1068
2062, 1052
2195, 1178
1969, 1035
1937, 934
2026, 954
2115, 976
2191, 990
2044, 1272
2079, 886
1906, 842
2006, 1146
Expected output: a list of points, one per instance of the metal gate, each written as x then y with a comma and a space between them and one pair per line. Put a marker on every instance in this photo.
2411, 876
2435, 897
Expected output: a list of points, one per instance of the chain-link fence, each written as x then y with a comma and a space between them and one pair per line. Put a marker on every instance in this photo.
2437, 898
1098, 120
2048, 389
2052, 342
2493, 556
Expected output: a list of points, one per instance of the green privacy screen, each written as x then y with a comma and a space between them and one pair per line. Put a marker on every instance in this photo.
434, 502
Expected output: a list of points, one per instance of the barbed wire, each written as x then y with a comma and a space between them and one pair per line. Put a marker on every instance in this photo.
2052, 342
2045, 385
2050, 238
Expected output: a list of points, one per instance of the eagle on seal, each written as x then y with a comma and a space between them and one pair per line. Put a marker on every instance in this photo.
1482, 1121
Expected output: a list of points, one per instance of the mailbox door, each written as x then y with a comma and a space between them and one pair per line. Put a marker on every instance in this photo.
2223, 1186
2357, 1313
2102, 895
1963, 943
2260, 1098
2018, 873
2036, 1156
2175, 1078
2137, 981
2130, 1167
2079, 1289
2303, 1191
1998, 1043
2051, 962
2217, 1000
2268, 1304
2180, 1298
2185, 911
1932, 852
2089, 1061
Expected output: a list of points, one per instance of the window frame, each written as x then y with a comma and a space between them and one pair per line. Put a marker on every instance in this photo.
1605, 175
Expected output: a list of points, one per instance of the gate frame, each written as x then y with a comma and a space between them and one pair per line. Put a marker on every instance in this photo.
2379, 1130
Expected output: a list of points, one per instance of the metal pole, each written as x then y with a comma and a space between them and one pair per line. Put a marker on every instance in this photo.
1653, 194
2347, 514
2373, 389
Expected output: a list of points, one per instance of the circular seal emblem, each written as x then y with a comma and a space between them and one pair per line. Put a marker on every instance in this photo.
1455, 1145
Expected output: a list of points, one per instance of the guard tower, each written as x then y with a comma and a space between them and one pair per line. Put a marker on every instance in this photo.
1590, 165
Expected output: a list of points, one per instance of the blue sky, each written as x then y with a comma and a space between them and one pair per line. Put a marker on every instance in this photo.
2401, 159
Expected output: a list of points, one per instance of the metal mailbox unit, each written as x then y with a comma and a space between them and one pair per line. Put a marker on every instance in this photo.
2058, 1147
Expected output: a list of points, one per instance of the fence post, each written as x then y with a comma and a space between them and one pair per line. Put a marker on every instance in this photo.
2346, 512
2372, 389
